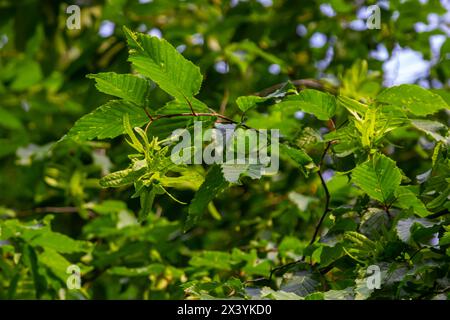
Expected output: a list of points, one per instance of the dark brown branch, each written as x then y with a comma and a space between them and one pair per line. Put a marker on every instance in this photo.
322, 218
197, 114
148, 114
49, 210
327, 194
299, 83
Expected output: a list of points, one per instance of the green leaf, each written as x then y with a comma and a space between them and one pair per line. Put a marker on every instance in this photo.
212, 260
59, 242
157, 59
247, 102
57, 264
147, 198
445, 239
301, 283
120, 178
379, 177
300, 157
320, 104
438, 131
404, 226
269, 293
125, 86
413, 98
406, 199
30, 259
152, 269
233, 171
9, 120
107, 121
214, 183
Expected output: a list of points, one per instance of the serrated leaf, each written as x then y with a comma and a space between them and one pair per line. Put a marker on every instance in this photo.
432, 128
413, 98
214, 183
320, 104
445, 239
58, 264
157, 59
403, 227
269, 293
30, 259
152, 269
300, 157
59, 242
301, 283
147, 198
120, 178
107, 121
379, 177
344, 294
126, 86
247, 102
406, 199
373, 222
232, 172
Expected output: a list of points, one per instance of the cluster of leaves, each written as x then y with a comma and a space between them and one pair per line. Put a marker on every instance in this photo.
364, 175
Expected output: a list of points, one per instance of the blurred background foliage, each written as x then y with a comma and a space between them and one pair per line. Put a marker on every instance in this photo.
242, 47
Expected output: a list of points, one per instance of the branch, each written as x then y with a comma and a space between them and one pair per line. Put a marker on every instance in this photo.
299, 83
197, 114
322, 218
327, 194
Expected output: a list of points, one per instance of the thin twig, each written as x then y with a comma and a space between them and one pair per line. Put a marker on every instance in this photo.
191, 107
299, 83
148, 114
198, 114
327, 197
224, 102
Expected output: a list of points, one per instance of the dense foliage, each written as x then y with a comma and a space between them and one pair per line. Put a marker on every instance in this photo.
87, 178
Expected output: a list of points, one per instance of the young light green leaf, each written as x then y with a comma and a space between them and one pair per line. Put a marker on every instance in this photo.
146, 199
379, 177
406, 199
59, 242
320, 104
107, 121
300, 157
157, 59
413, 98
247, 102
135, 143
126, 86
120, 178
232, 171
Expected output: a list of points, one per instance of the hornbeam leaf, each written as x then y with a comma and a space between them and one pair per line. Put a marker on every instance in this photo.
379, 177
300, 157
247, 102
107, 121
125, 86
59, 242
413, 98
214, 183
434, 129
320, 104
121, 178
405, 199
156, 59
